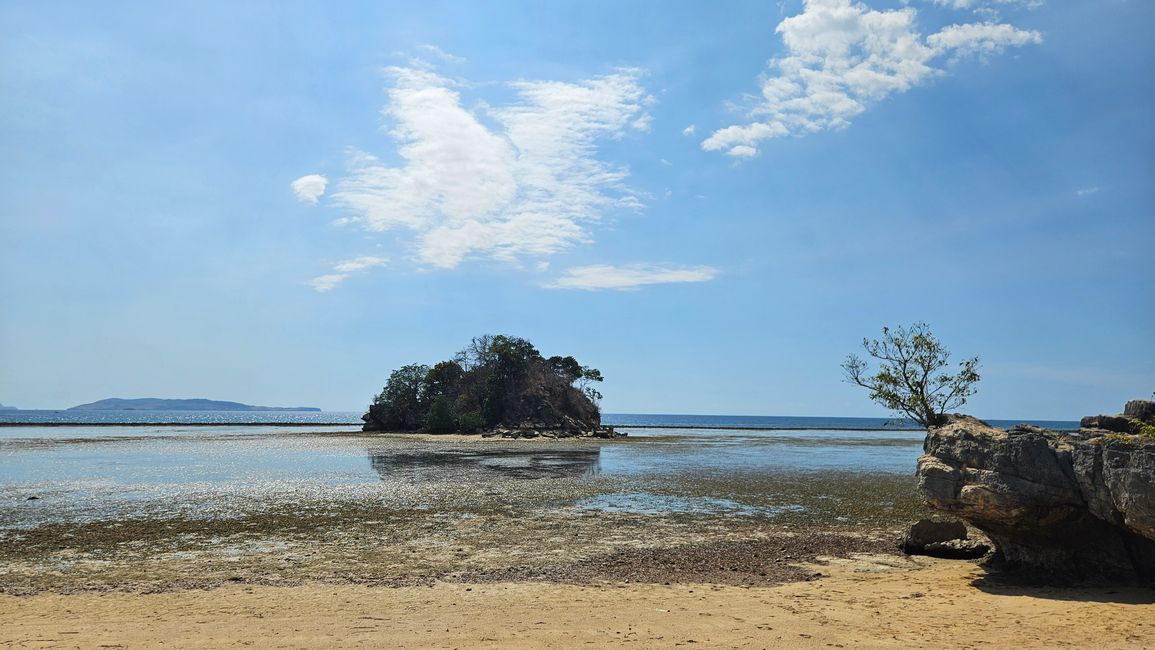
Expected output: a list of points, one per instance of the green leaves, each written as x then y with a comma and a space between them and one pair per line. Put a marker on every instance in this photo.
495, 380
909, 379
440, 418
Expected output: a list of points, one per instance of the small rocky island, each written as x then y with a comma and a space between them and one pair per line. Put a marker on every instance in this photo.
1073, 506
497, 386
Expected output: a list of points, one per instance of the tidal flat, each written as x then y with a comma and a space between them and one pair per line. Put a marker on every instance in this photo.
179, 512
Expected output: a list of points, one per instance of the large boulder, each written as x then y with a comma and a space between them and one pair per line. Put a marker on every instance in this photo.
931, 531
1083, 508
944, 539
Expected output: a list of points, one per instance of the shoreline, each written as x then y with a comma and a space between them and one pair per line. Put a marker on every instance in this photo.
863, 601
442, 551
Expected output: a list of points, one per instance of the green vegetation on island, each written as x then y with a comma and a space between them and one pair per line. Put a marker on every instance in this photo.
497, 383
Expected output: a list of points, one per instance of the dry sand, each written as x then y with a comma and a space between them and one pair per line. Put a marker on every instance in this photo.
874, 602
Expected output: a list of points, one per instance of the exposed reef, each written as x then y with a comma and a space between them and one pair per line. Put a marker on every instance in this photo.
1074, 506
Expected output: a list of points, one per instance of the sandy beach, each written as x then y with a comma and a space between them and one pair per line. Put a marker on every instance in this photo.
864, 602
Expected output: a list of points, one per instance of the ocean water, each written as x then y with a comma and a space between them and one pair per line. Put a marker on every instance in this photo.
292, 418
218, 462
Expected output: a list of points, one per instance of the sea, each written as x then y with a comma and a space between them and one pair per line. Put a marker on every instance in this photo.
70, 466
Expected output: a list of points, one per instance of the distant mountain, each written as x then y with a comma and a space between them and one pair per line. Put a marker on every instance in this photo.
8, 408
155, 404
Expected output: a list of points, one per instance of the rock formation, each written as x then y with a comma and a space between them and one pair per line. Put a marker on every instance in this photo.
1079, 506
1138, 417
945, 539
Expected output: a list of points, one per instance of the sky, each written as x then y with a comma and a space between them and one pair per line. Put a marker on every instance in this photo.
714, 203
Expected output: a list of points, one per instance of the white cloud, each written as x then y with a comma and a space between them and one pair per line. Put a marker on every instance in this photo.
359, 264
441, 54
842, 56
981, 38
984, 5
323, 283
344, 270
689, 130
497, 182
604, 276
1086, 191
310, 188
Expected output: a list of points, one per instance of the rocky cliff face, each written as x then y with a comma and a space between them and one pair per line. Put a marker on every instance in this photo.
1081, 506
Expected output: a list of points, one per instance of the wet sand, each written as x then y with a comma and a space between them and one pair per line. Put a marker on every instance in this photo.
865, 602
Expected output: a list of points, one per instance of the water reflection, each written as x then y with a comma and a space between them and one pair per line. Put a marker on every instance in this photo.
441, 465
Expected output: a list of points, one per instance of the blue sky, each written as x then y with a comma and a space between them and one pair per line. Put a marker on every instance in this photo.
277, 203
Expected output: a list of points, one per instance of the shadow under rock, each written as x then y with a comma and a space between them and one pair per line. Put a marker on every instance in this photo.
1007, 581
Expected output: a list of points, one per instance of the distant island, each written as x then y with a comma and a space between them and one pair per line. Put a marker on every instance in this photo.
8, 408
156, 404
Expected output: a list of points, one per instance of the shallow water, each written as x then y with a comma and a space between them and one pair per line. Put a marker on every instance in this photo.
34, 417
77, 478
82, 473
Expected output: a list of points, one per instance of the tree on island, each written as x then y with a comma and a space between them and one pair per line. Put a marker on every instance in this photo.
496, 381
910, 378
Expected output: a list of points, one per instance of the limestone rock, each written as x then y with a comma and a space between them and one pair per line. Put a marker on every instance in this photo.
1116, 423
931, 531
1078, 507
1140, 409
957, 549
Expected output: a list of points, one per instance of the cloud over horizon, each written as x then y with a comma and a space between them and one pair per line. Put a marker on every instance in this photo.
842, 56
495, 182
598, 277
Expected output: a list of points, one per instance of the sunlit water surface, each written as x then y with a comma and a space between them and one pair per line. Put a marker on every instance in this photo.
82, 472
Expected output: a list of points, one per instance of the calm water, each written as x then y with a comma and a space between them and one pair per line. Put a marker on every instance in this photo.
82, 471
179, 417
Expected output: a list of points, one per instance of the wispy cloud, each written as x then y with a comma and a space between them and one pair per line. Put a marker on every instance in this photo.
841, 57
980, 38
359, 264
345, 269
309, 188
1086, 191
689, 130
984, 6
631, 276
504, 182
440, 54
323, 283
